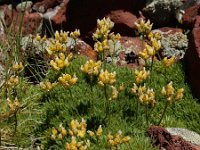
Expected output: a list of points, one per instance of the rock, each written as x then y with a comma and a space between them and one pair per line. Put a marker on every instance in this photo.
162, 12
32, 23
86, 50
186, 134
84, 14
190, 14
59, 19
192, 59
124, 21
127, 54
24, 6
7, 14
160, 136
44, 5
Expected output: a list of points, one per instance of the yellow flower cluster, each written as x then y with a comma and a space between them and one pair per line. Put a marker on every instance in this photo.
102, 36
106, 78
75, 34
169, 92
168, 62
56, 46
143, 27
141, 75
91, 68
146, 96
67, 80
114, 141
61, 36
155, 35
150, 51
40, 39
101, 46
179, 94
74, 145
47, 85
103, 28
59, 134
13, 105
12, 81
61, 61
77, 129
17, 67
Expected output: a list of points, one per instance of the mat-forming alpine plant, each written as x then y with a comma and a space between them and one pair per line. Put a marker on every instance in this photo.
170, 94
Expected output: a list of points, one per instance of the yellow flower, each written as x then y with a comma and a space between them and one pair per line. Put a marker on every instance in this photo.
179, 94
67, 80
91, 68
143, 54
156, 44
99, 131
168, 62
91, 134
47, 85
121, 87
114, 94
54, 131
103, 28
72, 145
75, 34
61, 36
155, 35
18, 67
12, 81
62, 130
107, 78
126, 139
143, 27
168, 91
60, 136
81, 133
142, 75
13, 105
101, 46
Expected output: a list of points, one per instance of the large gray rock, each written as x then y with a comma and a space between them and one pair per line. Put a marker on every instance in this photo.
186, 134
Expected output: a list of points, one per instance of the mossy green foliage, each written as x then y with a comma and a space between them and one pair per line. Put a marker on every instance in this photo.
44, 110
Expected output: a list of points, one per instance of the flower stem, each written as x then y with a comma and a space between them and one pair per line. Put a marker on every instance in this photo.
164, 111
147, 118
70, 92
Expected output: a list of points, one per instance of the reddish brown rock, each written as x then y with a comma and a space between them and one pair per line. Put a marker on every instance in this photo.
86, 50
124, 21
190, 14
32, 23
193, 60
128, 56
9, 14
170, 30
60, 18
84, 14
44, 5
160, 136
